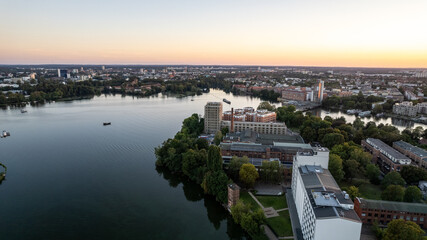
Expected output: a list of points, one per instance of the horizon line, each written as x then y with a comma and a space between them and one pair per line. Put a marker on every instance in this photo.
231, 65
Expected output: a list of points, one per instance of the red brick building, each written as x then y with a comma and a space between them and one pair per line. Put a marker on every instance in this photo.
384, 212
294, 95
387, 158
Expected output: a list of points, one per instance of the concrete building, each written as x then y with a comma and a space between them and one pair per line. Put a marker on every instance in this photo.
418, 155
384, 212
405, 109
324, 211
213, 114
387, 158
422, 107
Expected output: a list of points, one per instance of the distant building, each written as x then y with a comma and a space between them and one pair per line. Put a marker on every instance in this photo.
62, 73
387, 158
321, 88
324, 211
213, 114
418, 155
422, 107
383, 212
294, 95
405, 109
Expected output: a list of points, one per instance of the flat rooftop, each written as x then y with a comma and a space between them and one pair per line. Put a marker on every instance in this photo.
326, 198
390, 152
413, 149
393, 206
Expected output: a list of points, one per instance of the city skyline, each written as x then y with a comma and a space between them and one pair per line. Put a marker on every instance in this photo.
274, 33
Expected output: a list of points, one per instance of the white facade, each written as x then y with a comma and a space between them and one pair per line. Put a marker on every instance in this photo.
405, 108
339, 221
337, 228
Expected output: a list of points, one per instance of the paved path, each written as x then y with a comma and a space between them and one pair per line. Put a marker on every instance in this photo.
270, 234
283, 209
256, 200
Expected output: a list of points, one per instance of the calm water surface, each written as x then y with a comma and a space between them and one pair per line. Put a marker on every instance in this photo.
400, 124
69, 177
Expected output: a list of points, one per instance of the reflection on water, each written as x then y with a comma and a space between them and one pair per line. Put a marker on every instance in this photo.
401, 124
194, 193
70, 177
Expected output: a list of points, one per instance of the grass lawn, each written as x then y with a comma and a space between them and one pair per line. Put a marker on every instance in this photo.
247, 199
281, 225
366, 189
276, 202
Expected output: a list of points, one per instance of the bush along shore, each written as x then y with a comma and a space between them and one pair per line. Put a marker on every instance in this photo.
2, 173
194, 158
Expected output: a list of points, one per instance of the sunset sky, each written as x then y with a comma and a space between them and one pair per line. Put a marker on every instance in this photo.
365, 33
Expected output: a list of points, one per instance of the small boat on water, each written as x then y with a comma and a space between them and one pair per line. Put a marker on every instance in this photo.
5, 134
192, 99
23, 111
107, 123
226, 101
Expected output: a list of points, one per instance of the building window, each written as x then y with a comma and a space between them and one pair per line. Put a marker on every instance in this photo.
401, 217
421, 219
363, 214
408, 218
414, 219
369, 214
394, 217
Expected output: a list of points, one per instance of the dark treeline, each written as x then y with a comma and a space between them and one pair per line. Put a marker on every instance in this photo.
52, 90
356, 102
192, 157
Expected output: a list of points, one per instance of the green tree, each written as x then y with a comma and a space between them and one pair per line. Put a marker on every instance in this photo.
393, 193
332, 139
218, 138
235, 165
392, 178
362, 157
194, 164
353, 191
266, 106
224, 131
413, 174
248, 174
214, 158
215, 183
373, 173
351, 168
401, 229
412, 194
250, 221
335, 167
271, 172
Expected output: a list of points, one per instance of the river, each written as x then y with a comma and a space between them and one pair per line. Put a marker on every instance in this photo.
400, 124
70, 177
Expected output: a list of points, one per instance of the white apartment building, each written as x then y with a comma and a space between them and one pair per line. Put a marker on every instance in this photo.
405, 109
324, 211
422, 107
